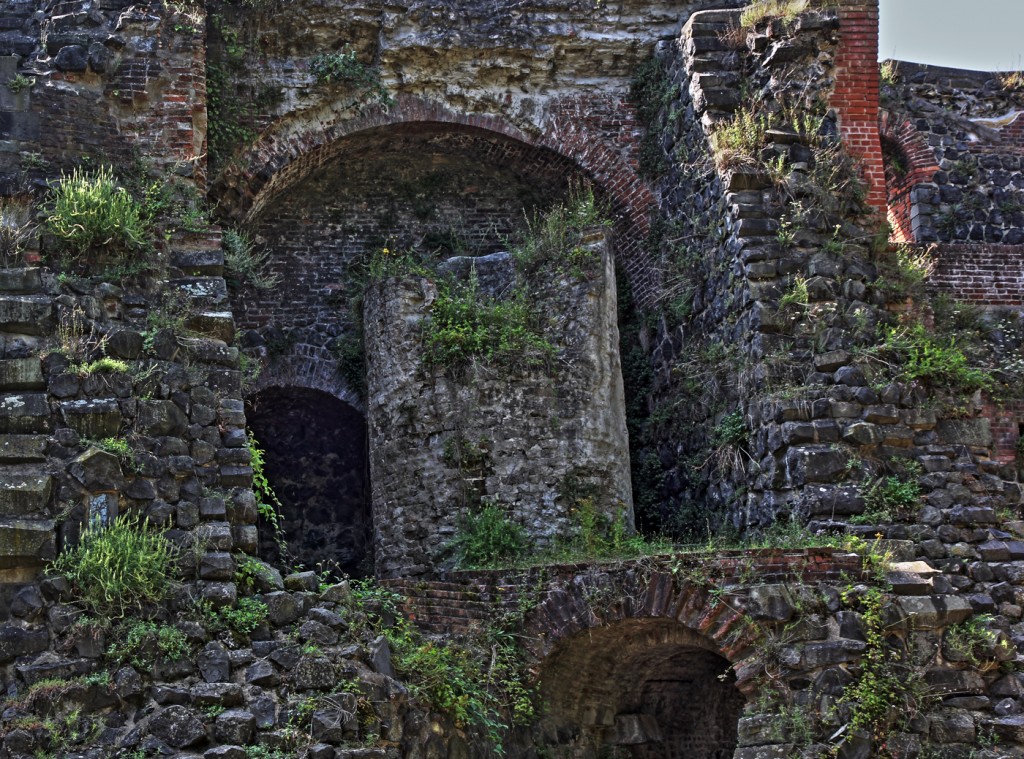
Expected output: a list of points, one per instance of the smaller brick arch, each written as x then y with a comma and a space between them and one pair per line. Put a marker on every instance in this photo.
909, 161
310, 369
702, 619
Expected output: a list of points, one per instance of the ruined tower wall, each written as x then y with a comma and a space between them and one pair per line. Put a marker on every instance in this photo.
536, 441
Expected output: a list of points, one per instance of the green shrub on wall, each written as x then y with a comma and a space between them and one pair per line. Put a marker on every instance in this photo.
118, 570
90, 214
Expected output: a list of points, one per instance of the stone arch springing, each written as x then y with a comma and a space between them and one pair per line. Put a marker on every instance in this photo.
316, 459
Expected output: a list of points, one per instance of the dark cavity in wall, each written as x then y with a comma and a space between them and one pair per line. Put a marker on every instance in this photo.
316, 462
643, 689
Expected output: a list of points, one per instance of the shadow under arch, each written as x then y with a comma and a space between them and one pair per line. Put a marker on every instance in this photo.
646, 688
315, 450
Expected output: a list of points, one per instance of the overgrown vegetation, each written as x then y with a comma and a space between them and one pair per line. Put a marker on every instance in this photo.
466, 325
120, 569
481, 681
89, 213
345, 67
487, 536
247, 265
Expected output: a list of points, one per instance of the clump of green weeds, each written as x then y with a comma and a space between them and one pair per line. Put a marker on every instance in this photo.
118, 569
345, 67
247, 264
89, 213
487, 536
143, 643
466, 325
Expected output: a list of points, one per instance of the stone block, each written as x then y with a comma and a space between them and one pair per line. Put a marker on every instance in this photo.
219, 325
161, 418
20, 281
94, 419
20, 449
15, 642
814, 464
971, 432
28, 314
771, 602
24, 413
97, 470
26, 542
24, 494
22, 374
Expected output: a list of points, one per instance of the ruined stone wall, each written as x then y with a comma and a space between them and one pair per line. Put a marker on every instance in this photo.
114, 80
525, 82
971, 187
544, 436
436, 191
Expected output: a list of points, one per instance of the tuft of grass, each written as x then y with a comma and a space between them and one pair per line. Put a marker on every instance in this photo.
740, 142
487, 537
119, 569
90, 213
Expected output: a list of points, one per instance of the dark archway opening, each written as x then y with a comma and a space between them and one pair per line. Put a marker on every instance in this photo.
315, 459
642, 689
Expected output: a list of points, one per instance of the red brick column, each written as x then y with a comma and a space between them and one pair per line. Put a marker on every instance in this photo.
856, 94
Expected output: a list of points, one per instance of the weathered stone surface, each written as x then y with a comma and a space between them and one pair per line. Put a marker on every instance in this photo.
161, 418
93, 419
27, 314
22, 413
25, 542
24, 494
934, 611
235, 726
20, 449
177, 726
314, 673
97, 470
15, 642
21, 374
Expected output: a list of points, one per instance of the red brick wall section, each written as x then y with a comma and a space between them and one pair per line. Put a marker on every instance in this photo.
1005, 420
917, 164
469, 599
989, 275
856, 95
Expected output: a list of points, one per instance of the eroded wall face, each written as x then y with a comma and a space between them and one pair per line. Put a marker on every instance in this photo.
541, 437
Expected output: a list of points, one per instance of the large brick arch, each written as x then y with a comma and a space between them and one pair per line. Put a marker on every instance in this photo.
296, 147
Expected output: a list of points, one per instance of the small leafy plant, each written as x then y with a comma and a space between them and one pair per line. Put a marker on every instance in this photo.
345, 67
246, 264
487, 537
20, 82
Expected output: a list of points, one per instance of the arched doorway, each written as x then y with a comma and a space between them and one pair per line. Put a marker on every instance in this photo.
315, 458
639, 688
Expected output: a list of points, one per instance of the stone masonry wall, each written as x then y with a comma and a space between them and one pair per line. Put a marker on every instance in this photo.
439, 192
535, 431
114, 79
971, 186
